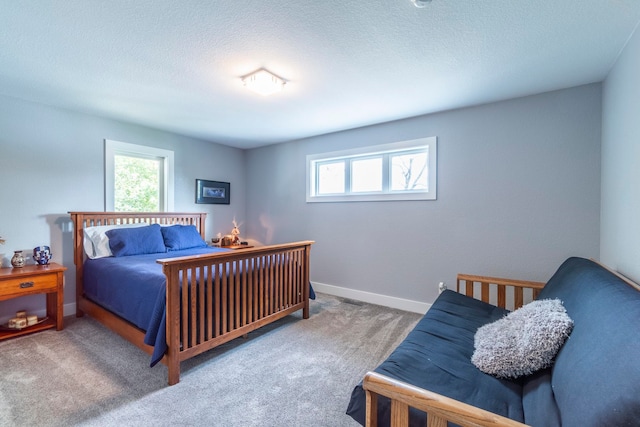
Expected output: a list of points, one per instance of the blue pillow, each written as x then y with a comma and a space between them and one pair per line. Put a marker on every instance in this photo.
177, 237
136, 241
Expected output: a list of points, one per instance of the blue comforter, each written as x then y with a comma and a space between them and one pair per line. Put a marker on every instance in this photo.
133, 287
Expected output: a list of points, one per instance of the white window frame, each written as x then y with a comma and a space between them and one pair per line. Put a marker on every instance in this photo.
431, 145
113, 148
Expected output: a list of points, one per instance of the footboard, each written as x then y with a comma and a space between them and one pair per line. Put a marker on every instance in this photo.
233, 294
505, 293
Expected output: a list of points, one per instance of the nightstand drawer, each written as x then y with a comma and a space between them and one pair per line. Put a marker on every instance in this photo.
28, 284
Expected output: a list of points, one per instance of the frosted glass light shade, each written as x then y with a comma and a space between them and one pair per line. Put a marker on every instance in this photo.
420, 3
263, 82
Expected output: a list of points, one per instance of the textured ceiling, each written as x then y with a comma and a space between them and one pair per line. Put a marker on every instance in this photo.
176, 65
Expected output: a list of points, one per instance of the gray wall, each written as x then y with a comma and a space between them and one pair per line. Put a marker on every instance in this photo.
620, 230
51, 162
518, 192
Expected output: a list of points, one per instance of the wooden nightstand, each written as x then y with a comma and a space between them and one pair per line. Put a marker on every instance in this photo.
34, 279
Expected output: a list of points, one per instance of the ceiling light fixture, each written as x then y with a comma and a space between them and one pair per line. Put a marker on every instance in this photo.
420, 3
263, 82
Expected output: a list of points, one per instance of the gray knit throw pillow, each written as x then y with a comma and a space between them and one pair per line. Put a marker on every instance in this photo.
524, 341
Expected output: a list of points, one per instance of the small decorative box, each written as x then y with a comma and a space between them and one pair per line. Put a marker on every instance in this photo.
32, 320
18, 322
21, 314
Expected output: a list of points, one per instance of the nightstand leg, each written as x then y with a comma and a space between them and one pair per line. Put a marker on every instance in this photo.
55, 304
53, 312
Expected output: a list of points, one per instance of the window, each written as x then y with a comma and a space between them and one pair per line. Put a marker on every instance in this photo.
138, 178
398, 171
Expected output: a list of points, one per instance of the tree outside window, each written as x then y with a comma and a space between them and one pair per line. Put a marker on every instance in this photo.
409, 172
138, 178
137, 184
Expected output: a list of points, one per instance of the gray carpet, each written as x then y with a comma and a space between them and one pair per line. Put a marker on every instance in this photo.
292, 373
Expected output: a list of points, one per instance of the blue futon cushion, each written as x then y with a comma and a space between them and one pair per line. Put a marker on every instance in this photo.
596, 375
179, 237
136, 241
436, 356
539, 405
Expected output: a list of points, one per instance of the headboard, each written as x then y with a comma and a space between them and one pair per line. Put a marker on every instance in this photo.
90, 219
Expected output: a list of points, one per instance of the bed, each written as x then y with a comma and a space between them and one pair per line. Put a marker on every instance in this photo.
179, 303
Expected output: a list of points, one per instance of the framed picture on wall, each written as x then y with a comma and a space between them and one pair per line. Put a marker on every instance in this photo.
213, 192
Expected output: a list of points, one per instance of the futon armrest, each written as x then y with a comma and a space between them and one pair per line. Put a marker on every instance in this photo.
505, 293
439, 408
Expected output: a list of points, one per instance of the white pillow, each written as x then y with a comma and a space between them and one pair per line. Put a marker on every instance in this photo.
96, 242
524, 341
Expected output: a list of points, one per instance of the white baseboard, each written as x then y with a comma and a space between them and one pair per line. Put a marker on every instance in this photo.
69, 309
378, 299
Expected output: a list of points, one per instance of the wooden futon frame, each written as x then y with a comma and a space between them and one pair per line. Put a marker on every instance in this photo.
251, 288
505, 293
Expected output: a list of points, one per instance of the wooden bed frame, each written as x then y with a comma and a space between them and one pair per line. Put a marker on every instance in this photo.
267, 283
505, 293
